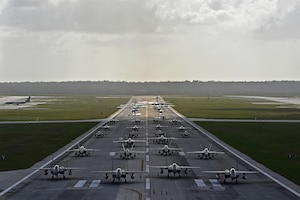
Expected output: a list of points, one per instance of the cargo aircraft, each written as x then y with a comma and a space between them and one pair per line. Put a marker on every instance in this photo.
18, 102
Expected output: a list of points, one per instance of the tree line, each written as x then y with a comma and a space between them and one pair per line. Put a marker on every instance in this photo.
194, 88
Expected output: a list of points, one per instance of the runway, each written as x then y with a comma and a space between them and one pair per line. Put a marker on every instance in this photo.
87, 184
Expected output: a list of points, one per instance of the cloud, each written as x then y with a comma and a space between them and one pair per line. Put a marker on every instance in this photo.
101, 16
239, 16
153, 16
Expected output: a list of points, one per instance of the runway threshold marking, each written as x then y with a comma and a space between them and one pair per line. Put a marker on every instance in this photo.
95, 183
215, 183
147, 158
80, 184
200, 182
147, 168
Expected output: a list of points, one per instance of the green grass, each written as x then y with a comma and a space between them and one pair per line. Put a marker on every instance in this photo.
66, 108
267, 143
230, 108
26, 144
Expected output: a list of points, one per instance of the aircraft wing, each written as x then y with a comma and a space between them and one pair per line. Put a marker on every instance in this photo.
138, 152
105, 172
189, 167
93, 149
160, 167
196, 152
246, 172
62, 168
74, 150
214, 172
216, 152
139, 141
172, 149
119, 141
134, 172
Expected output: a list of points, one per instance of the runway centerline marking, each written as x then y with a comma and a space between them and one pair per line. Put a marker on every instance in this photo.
147, 183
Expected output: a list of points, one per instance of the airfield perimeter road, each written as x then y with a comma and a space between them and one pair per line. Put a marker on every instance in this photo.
84, 184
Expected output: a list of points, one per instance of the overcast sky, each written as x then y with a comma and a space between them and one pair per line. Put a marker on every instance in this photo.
149, 40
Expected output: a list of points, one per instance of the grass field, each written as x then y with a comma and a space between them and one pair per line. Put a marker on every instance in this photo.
267, 143
25, 144
231, 108
65, 108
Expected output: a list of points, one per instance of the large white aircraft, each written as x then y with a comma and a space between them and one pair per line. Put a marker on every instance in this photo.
206, 153
162, 139
17, 102
58, 169
127, 153
166, 150
129, 142
119, 174
82, 151
231, 173
174, 168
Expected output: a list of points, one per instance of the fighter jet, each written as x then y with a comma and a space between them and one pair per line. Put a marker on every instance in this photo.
82, 151
174, 121
119, 174
159, 127
185, 134
183, 128
58, 169
135, 128
174, 168
129, 142
127, 153
99, 134
206, 153
166, 150
162, 139
231, 173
